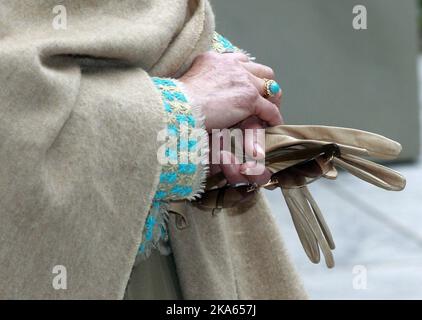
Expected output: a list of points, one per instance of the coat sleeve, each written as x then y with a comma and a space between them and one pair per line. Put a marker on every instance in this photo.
79, 118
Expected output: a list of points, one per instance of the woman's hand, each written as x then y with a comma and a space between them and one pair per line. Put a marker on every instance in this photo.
230, 88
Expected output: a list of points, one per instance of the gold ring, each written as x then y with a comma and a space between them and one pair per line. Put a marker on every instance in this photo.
271, 88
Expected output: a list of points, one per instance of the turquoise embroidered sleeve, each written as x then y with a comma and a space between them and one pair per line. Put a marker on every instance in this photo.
178, 180
183, 176
221, 45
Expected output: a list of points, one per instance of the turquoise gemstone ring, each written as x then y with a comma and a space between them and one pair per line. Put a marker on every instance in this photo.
271, 88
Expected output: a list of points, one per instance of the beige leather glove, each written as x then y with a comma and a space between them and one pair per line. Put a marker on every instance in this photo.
312, 229
353, 144
310, 225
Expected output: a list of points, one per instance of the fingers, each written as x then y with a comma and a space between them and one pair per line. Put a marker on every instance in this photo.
277, 99
254, 146
245, 172
255, 172
238, 56
248, 172
231, 168
254, 137
259, 70
267, 111
259, 83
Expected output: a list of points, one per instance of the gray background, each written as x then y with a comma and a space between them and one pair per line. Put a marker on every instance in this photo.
330, 73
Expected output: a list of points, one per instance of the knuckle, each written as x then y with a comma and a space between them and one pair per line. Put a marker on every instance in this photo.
238, 80
252, 93
243, 78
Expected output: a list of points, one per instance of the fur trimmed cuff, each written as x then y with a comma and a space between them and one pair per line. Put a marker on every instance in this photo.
184, 160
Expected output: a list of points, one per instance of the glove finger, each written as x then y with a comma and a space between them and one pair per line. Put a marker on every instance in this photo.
377, 145
372, 172
306, 236
308, 213
321, 221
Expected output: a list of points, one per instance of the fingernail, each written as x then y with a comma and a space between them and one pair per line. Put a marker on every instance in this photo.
247, 168
246, 171
243, 169
259, 152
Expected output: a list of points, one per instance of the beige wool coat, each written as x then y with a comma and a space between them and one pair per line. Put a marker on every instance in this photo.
78, 120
